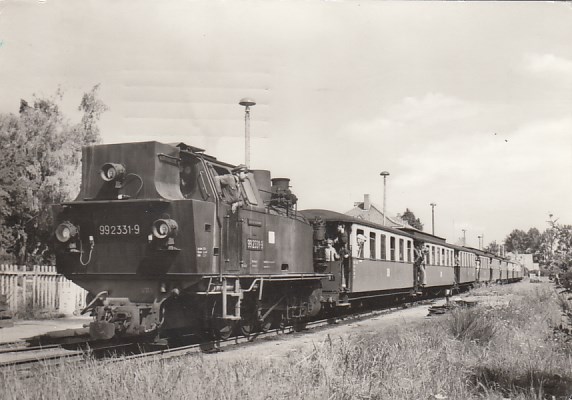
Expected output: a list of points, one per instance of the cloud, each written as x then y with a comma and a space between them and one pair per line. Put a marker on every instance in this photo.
421, 115
432, 108
547, 64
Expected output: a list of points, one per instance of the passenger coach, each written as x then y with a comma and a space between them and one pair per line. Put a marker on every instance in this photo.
374, 261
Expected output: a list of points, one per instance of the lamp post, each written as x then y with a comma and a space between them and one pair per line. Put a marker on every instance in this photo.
464, 237
480, 245
433, 217
247, 103
385, 174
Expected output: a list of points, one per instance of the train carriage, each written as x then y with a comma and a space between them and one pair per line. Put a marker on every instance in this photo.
378, 262
467, 274
503, 270
439, 259
482, 265
495, 263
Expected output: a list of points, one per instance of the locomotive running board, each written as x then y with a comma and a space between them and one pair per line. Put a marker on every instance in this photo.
114, 201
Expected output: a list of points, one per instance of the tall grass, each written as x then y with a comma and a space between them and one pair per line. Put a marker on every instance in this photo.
487, 352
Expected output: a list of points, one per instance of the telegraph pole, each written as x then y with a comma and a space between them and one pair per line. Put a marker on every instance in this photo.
385, 174
433, 217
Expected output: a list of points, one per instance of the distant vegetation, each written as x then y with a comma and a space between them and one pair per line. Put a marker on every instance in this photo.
40, 155
409, 217
497, 350
552, 249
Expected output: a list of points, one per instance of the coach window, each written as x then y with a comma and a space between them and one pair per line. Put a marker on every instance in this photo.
409, 250
437, 256
372, 245
401, 250
382, 253
432, 262
392, 248
360, 237
443, 257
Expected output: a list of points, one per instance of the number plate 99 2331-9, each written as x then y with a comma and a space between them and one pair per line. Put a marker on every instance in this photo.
119, 230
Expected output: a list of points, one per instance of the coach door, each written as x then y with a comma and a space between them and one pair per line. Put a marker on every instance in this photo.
457, 267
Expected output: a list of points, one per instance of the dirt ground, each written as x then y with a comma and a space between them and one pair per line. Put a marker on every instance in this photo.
281, 345
29, 328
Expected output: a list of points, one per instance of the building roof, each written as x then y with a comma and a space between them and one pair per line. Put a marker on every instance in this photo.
374, 214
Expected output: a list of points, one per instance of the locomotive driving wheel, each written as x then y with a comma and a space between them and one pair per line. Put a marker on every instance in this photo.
248, 325
222, 328
267, 323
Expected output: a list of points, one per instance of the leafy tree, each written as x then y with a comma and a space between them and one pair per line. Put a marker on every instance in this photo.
409, 217
493, 247
556, 251
534, 240
519, 241
516, 241
92, 108
40, 155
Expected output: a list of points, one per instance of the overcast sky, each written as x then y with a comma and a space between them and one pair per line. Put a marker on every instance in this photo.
468, 105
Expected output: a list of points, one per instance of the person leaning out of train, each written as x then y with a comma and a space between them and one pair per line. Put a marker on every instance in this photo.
419, 263
341, 242
331, 253
361, 239
228, 186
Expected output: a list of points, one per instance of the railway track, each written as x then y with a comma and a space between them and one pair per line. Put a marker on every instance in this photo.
26, 360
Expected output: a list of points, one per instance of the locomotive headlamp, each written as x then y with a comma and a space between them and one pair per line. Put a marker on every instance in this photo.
111, 172
66, 231
165, 228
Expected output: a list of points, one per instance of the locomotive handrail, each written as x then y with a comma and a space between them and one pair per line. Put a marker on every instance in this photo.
204, 186
92, 201
160, 156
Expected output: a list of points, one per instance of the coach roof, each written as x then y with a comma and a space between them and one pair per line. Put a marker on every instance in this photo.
332, 216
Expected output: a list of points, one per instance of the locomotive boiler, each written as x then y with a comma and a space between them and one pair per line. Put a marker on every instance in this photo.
160, 250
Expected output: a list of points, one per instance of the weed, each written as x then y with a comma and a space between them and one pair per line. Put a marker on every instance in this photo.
474, 324
486, 352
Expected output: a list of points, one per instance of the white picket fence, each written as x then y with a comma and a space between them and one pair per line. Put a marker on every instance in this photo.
40, 287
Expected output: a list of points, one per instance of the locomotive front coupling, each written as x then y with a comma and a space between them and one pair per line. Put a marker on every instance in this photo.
119, 317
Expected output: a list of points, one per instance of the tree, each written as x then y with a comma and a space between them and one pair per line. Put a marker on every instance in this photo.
40, 155
92, 109
493, 247
534, 240
519, 241
409, 217
556, 249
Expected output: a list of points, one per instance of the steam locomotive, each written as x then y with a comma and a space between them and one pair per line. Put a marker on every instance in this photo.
162, 251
